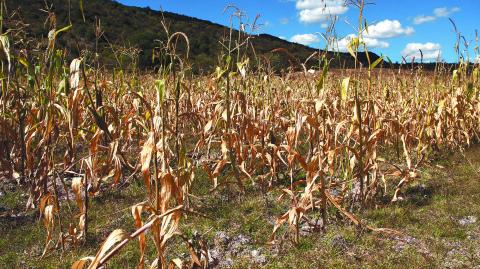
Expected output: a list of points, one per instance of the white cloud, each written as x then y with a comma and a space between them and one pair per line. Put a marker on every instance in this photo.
375, 43
445, 11
305, 39
312, 4
477, 60
370, 42
438, 13
423, 19
313, 11
387, 29
431, 51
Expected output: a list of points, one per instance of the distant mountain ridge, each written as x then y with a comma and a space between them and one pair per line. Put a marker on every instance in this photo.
140, 27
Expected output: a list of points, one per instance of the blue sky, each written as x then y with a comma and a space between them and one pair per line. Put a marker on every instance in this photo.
396, 27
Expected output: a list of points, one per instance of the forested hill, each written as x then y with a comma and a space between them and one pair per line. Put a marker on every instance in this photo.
126, 26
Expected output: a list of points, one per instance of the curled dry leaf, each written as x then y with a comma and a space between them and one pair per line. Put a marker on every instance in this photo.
114, 237
145, 158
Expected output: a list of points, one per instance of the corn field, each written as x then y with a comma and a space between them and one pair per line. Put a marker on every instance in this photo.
332, 141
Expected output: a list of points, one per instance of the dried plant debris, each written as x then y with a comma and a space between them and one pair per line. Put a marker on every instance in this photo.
328, 146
